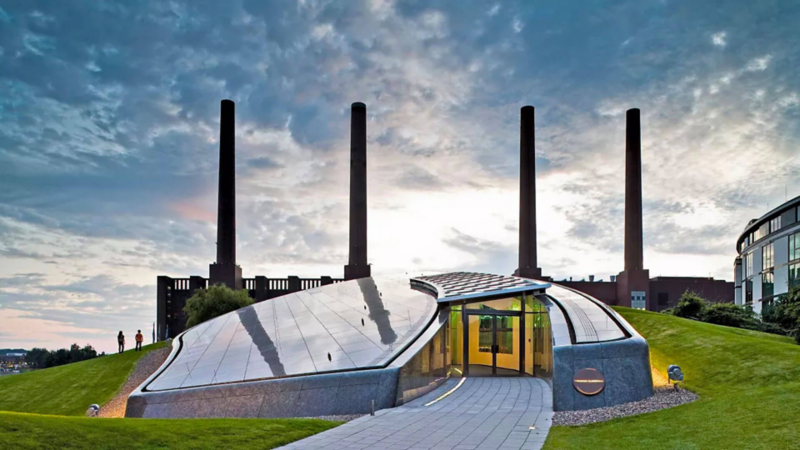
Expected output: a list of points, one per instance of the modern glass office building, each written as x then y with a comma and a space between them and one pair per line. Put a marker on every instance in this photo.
768, 264
377, 343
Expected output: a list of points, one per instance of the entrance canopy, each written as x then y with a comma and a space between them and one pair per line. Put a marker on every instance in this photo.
467, 286
581, 319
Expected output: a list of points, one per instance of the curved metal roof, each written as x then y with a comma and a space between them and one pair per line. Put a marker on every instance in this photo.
359, 324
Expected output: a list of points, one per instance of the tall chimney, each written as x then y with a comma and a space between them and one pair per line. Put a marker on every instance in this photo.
527, 197
633, 192
633, 283
357, 267
225, 271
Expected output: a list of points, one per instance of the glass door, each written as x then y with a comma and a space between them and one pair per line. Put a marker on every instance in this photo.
507, 345
494, 344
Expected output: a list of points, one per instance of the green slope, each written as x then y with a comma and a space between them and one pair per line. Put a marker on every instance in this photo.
31, 431
749, 386
69, 390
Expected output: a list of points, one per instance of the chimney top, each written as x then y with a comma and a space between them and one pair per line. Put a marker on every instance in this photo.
359, 105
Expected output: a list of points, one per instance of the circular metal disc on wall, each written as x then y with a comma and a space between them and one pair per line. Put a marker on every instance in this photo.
589, 381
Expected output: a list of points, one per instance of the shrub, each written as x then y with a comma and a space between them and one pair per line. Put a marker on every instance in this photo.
215, 301
767, 327
690, 305
729, 315
785, 312
780, 318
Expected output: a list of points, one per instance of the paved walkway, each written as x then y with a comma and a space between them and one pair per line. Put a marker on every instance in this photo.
484, 413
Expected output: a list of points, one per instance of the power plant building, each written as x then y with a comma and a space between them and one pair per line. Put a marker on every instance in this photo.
316, 347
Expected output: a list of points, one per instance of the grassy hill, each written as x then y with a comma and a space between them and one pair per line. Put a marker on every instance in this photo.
749, 386
32, 431
69, 390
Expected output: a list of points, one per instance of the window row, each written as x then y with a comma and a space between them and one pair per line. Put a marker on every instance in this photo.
771, 226
768, 256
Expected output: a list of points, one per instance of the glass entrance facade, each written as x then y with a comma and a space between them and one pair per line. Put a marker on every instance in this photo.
507, 336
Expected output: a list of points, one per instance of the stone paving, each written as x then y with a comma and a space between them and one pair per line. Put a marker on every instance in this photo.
484, 413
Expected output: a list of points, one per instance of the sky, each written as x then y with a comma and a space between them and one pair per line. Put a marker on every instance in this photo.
109, 122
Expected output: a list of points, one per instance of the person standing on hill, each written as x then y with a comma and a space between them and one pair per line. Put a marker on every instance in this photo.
139, 340
121, 341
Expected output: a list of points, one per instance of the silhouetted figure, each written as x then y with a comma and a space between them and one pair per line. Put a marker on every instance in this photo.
139, 340
121, 341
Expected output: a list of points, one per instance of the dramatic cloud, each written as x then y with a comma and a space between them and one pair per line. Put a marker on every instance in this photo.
108, 144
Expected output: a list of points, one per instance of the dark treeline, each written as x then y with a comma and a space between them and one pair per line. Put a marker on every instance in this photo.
42, 358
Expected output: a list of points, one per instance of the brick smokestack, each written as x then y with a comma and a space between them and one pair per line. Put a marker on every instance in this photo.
225, 271
357, 267
633, 283
634, 259
527, 197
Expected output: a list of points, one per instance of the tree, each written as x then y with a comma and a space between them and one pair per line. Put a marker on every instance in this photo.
785, 312
42, 358
37, 357
215, 301
690, 305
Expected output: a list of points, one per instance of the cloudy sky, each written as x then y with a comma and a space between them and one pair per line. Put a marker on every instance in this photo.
109, 119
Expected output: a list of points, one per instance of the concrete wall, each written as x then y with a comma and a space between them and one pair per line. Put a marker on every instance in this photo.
315, 395
625, 364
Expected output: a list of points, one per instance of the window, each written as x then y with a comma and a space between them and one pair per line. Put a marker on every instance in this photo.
794, 246
745, 243
748, 264
767, 257
794, 275
748, 292
638, 300
775, 224
767, 284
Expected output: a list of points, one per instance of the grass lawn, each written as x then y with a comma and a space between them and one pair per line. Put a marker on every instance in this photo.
748, 382
69, 390
32, 431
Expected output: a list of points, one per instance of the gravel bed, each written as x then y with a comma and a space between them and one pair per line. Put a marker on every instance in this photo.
145, 367
338, 418
664, 397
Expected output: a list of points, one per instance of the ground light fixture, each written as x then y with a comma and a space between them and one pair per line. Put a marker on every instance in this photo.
93, 411
674, 373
